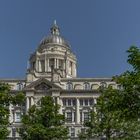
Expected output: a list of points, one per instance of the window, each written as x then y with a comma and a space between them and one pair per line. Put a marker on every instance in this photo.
64, 101
42, 63
73, 102
69, 102
72, 132
81, 102
69, 86
61, 64
74, 116
17, 117
51, 62
86, 116
69, 117
19, 86
70, 67
13, 132
86, 86
91, 102
86, 102
81, 117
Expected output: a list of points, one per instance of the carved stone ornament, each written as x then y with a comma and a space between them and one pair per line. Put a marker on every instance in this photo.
42, 86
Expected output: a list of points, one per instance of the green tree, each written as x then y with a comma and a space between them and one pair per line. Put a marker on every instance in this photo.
44, 122
6, 99
117, 114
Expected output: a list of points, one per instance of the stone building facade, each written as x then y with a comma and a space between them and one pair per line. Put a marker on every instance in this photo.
52, 71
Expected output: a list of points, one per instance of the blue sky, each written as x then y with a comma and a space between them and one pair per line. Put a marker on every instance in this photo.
99, 31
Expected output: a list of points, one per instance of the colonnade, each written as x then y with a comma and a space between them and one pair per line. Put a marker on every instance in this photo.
30, 102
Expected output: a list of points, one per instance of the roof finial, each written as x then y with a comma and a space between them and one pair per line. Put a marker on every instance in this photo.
55, 29
55, 22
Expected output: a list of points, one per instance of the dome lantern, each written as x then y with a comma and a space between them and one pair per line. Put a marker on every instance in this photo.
55, 29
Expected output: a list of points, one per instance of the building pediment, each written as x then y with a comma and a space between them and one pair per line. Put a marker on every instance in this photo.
41, 84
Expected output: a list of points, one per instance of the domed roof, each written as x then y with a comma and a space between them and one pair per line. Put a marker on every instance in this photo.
54, 37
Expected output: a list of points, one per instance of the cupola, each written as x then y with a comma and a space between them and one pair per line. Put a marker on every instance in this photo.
53, 57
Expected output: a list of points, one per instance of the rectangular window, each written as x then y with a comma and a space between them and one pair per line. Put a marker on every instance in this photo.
86, 102
91, 102
13, 132
86, 116
72, 132
69, 102
42, 62
73, 102
17, 117
70, 66
74, 116
64, 101
81, 102
69, 117
61, 64
80, 116
51, 62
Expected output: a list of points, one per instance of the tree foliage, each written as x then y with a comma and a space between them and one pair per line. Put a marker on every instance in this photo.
6, 98
117, 114
44, 122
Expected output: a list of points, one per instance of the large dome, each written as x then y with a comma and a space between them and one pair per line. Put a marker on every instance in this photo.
54, 37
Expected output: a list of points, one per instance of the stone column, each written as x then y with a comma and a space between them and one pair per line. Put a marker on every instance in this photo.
27, 104
95, 102
74, 71
32, 101
59, 101
47, 64
77, 111
55, 65
36, 64
73, 116
45, 61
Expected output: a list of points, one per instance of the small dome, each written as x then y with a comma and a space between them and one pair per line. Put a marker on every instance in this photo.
55, 37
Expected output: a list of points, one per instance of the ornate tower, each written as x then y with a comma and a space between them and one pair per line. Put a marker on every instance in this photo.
53, 58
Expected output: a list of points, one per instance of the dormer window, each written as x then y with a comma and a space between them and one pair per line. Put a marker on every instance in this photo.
19, 86
86, 86
103, 85
69, 86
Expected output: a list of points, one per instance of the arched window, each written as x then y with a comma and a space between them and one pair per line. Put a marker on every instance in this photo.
86, 86
69, 86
